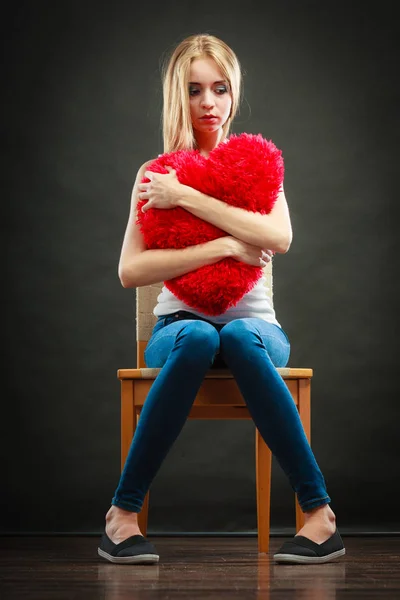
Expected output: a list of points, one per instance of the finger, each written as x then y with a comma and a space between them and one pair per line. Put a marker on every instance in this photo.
266, 252
262, 262
149, 175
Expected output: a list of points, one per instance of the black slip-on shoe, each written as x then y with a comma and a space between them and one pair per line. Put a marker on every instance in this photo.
301, 550
134, 550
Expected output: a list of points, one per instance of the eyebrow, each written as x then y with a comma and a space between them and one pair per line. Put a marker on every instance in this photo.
197, 83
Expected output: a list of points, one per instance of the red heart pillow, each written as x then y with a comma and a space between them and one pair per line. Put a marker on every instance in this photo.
245, 171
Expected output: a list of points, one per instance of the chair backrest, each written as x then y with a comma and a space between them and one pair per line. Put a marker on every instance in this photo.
146, 299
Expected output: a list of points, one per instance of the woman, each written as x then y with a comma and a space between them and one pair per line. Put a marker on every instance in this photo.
202, 87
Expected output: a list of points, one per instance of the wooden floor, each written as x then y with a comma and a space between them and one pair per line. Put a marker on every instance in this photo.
58, 568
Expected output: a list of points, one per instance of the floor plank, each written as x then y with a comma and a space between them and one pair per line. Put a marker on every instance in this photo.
59, 568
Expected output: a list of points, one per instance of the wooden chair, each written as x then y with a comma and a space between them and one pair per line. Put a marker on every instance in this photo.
218, 398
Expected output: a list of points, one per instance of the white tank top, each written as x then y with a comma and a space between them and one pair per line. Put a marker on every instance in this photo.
256, 303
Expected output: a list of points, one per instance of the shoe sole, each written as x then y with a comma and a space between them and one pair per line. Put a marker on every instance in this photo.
124, 560
298, 559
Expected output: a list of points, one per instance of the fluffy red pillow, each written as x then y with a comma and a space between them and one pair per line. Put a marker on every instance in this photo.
247, 172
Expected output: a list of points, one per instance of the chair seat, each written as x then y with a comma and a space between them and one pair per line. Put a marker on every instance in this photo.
218, 397
147, 373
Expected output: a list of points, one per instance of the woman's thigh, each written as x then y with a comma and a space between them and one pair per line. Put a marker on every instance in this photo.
201, 336
240, 332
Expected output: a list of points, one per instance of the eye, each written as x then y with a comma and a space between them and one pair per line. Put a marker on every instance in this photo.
220, 90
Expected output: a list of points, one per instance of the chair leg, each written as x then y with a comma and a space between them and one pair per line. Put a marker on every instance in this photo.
144, 513
304, 408
128, 420
263, 491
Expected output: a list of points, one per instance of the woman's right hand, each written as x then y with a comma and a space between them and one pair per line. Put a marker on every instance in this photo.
247, 253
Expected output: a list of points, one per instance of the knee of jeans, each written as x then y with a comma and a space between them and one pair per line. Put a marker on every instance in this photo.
234, 331
200, 336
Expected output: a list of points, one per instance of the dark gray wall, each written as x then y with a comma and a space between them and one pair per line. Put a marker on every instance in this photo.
82, 97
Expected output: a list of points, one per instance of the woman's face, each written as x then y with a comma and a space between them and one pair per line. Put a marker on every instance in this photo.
209, 94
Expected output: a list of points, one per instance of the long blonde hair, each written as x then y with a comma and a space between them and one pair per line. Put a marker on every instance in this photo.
176, 122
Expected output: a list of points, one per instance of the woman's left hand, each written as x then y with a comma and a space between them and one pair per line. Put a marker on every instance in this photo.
162, 191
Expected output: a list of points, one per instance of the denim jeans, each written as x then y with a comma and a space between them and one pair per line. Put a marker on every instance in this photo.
186, 347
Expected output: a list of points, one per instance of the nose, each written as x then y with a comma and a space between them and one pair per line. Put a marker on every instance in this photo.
207, 100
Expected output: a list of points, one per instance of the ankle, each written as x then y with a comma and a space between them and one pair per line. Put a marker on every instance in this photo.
119, 514
321, 512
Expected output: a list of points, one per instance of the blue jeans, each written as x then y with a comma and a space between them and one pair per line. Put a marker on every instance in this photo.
186, 347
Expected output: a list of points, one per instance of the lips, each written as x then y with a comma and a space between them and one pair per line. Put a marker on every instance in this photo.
209, 120
208, 117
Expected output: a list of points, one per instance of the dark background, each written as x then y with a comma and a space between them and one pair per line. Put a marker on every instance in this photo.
81, 112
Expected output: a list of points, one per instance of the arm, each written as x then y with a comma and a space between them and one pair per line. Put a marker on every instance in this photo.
272, 231
152, 266
139, 266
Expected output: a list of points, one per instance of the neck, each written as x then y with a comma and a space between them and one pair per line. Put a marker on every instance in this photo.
207, 141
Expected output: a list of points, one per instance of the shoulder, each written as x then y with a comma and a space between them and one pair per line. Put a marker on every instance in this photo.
142, 169
146, 164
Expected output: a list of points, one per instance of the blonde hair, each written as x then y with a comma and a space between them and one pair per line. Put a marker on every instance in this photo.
176, 122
